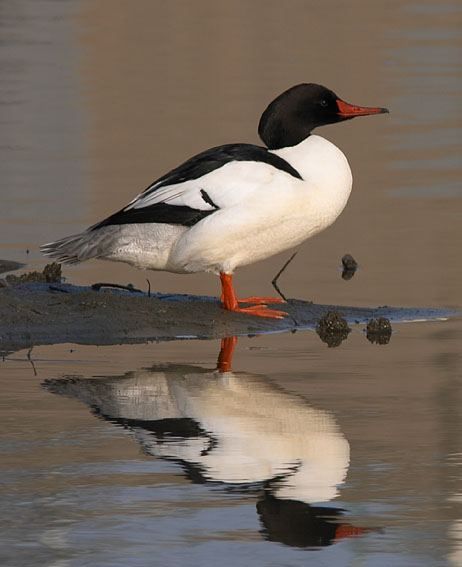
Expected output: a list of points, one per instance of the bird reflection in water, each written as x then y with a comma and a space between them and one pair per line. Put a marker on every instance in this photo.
234, 428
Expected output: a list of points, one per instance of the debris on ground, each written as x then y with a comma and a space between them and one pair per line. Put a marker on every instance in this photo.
379, 331
332, 329
51, 274
129, 287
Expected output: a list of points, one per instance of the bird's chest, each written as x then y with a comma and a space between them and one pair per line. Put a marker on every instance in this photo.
308, 209
326, 186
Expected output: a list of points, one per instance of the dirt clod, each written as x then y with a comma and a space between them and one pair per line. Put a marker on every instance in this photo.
350, 265
379, 331
52, 273
332, 329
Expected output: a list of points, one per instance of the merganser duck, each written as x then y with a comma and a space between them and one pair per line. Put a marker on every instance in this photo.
234, 204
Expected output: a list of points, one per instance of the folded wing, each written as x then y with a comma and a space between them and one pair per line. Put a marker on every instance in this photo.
215, 179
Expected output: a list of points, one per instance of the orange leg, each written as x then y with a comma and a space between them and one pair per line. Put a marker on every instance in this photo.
230, 301
225, 357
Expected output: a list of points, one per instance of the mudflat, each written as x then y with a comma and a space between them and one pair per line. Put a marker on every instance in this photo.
37, 313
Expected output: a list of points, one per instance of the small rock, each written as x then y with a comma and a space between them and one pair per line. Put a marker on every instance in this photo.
332, 329
349, 266
379, 331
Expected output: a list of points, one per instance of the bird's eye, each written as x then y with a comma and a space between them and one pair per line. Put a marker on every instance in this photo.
324, 103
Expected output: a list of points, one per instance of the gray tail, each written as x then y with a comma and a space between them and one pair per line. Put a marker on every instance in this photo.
80, 247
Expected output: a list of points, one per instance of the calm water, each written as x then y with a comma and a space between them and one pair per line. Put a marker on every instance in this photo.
301, 455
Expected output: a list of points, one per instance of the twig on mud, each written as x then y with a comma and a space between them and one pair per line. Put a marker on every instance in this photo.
55, 288
98, 286
276, 277
149, 287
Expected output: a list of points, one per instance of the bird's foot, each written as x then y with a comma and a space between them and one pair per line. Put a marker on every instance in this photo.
260, 311
261, 300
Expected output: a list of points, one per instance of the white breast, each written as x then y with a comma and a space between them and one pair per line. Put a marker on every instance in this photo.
327, 174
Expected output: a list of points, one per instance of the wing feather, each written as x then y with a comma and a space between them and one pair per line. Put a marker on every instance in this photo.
227, 174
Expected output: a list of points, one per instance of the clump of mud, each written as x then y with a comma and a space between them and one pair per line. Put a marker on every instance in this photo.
379, 331
332, 329
51, 274
350, 265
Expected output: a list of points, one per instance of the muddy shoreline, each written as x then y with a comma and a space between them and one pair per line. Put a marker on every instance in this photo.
41, 313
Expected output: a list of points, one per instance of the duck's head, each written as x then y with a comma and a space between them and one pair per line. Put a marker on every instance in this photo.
291, 117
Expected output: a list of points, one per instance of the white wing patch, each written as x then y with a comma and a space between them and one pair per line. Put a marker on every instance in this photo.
231, 184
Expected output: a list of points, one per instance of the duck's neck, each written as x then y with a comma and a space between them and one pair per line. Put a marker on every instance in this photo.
325, 170
318, 161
